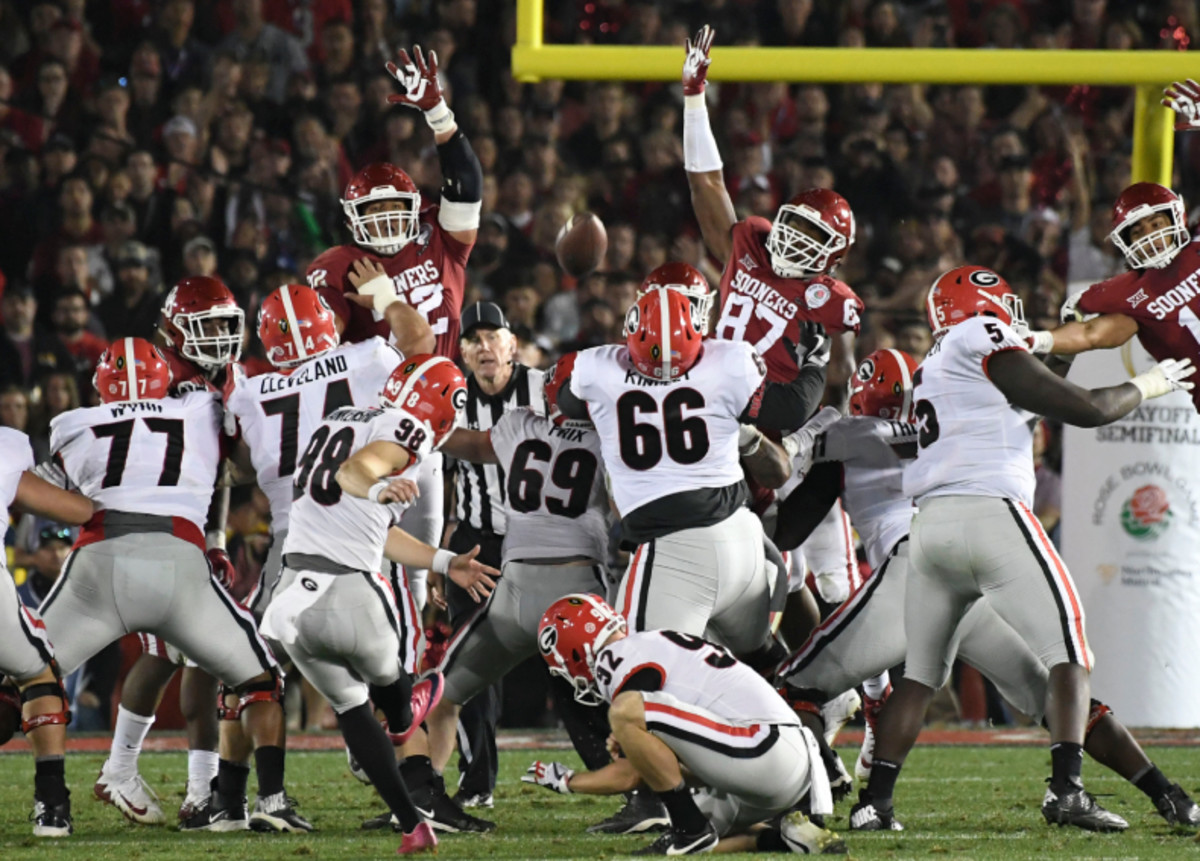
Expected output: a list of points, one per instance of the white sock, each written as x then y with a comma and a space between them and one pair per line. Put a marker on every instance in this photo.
202, 768
875, 687
128, 735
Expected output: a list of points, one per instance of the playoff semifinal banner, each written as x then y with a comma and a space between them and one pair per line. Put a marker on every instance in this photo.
1131, 538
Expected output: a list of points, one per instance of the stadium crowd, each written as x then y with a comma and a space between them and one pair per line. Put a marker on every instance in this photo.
147, 140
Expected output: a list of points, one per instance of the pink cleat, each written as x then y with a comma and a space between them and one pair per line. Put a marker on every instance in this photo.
420, 839
426, 694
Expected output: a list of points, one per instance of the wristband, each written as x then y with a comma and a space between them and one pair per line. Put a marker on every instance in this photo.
214, 540
440, 118
376, 489
441, 561
1041, 342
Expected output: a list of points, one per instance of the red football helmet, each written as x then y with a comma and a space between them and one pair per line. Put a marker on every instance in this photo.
883, 386
968, 291
430, 388
295, 324
688, 281
795, 251
203, 322
553, 383
661, 334
387, 231
570, 634
131, 369
1154, 250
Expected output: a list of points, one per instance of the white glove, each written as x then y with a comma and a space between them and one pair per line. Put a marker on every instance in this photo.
1040, 342
1167, 376
552, 775
1070, 313
1184, 100
799, 444
749, 439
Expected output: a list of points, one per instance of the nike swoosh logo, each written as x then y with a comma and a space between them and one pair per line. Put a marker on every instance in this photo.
137, 811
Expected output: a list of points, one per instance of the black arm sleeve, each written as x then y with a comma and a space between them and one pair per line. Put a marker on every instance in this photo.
786, 406
462, 177
571, 406
807, 505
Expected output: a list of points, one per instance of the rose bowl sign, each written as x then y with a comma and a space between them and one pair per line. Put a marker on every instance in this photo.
1147, 513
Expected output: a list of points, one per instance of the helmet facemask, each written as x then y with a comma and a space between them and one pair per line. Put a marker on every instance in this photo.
388, 230
211, 338
1158, 248
796, 254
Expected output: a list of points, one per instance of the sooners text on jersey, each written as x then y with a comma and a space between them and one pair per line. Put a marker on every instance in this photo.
759, 307
428, 273
1164, 302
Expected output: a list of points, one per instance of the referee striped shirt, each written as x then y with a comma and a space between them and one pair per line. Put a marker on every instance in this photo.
481, 488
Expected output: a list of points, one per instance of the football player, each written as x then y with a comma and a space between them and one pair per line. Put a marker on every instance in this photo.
777, 275
333, 610
31, 692
1157, 300
974, 533
400, 251
150, 461
200, 333
676, 702
669, 408
864, 455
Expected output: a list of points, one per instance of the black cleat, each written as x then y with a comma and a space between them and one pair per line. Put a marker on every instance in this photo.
1080, 809
642, 812
51, 820
1178, 808
677, 843
387, 819
865, 816
220, 814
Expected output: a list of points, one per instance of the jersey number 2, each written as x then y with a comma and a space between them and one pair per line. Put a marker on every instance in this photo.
118, 453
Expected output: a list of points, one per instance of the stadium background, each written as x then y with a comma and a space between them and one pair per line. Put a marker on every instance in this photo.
142, 141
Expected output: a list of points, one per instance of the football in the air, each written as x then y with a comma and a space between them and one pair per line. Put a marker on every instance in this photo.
581, 245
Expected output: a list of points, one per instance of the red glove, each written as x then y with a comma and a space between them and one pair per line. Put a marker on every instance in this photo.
420, 81
1184, 100
222, 568
695, 66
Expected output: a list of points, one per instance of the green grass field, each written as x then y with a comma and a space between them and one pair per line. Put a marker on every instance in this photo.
957, 802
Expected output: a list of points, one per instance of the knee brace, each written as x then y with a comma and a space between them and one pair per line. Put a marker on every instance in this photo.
47, 689
803, 699
1098, 711
268, 690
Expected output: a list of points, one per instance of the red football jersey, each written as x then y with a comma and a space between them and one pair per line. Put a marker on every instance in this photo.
760, 307
1164, 302
430, 273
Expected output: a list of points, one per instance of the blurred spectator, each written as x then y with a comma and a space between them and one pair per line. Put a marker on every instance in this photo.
75, 224
71, 317
199, 257
133, 308
252, 34
14, 408
27, 351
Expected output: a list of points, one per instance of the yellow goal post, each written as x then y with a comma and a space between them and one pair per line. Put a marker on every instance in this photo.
1148, 71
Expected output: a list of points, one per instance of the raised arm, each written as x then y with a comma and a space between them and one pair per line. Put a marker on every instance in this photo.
470, 445
701, 159
1098, 333
411, 331
1030, 385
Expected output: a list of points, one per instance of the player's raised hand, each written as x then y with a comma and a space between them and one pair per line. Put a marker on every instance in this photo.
1184, 100
419, 79
552, 775
696, 63
1169, 375
472, 575
375, 288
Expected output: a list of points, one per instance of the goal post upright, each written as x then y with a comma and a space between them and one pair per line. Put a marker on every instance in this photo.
1148, 71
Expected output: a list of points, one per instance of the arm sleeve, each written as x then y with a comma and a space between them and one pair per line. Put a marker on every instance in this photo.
786, 406
807, 505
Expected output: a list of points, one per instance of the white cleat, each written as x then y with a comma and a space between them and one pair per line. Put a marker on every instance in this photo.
839, 710
132, 796
866, 755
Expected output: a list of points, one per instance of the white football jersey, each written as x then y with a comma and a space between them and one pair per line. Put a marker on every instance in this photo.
16, 456
695, 672
872, 479
325, 521
971, 440
554, 497
664, 438
278, 412
144, 457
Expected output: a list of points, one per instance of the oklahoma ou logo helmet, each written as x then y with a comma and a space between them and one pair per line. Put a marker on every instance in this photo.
202, 320
685, 279
295, 324
131, 369
969, 291
431, 389
569, 635
661, 334
883, 386
1159, 247
385, 231
794, 251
